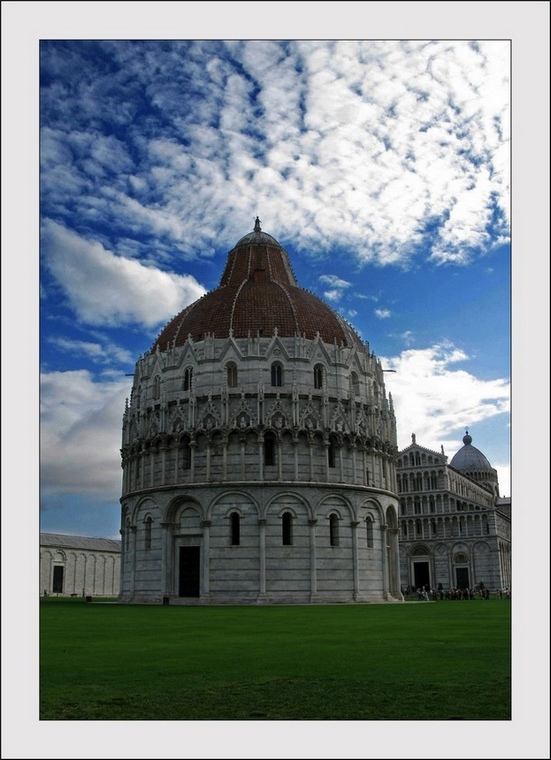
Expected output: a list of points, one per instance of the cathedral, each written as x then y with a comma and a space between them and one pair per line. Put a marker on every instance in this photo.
455, 529
259, 451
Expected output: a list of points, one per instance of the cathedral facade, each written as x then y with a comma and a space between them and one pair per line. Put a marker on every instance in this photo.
259, 451
455, 529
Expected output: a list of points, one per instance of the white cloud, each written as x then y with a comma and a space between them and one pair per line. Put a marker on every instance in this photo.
433, 399
80, 433
338, 286
102, 353
388, 147
382, 313
105, 289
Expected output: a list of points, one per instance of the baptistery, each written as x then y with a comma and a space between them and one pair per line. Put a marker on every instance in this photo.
259, 450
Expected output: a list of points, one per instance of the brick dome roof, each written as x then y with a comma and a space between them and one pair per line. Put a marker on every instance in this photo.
257, 293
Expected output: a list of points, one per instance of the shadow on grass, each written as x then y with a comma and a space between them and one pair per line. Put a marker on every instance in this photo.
292, 699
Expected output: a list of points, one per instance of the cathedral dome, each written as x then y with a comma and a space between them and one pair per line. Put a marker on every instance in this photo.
257, 295
470, 459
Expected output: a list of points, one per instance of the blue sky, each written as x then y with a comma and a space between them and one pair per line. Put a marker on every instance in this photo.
383, 167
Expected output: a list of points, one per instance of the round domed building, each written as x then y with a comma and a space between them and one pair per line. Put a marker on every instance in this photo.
472, 462
259, 450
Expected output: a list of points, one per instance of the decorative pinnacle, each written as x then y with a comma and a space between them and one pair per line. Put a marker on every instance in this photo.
257, 227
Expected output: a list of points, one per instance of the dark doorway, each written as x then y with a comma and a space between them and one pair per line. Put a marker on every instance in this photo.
462, 577
190, 574
57, 585
421, 574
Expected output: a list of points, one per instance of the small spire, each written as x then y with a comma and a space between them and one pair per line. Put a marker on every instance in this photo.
413, 438
257, 227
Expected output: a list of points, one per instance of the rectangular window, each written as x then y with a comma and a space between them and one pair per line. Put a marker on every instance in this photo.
269, 452
57, 585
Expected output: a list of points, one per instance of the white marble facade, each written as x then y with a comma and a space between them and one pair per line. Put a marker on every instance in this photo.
259, 453
79, 566
455, 530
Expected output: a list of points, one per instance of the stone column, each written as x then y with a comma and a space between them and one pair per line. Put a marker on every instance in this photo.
225, 459
166, 559
262, 554
260, 457
354, 526
394, 562
163, 464
206, 557
242, 442
385, 557
192, 446
295, 454
208, 460
176, 461
313, 565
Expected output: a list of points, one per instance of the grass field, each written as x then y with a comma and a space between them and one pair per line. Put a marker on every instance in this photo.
429, 661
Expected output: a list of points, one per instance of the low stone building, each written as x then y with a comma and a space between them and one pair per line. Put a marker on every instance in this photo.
455, 529
258, 450
79, 566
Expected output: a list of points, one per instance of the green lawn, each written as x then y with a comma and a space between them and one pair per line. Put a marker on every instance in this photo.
428, 661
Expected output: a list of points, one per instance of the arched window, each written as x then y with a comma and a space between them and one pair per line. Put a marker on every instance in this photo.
417, 506
318, 376
369, 528
277, 375
354, 384
148, 525
188, 378
235, 529
287, 529
404, 530
334, 530
231, 370
157, 387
